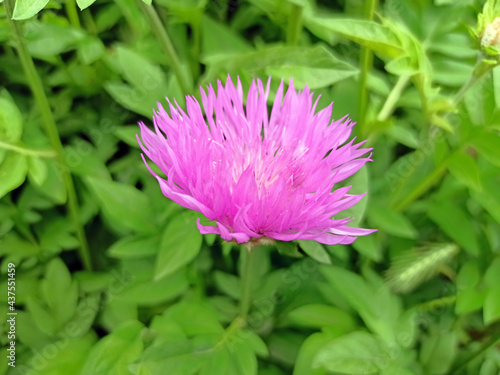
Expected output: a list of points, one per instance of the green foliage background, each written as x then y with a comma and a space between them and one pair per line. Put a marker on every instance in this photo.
113, 278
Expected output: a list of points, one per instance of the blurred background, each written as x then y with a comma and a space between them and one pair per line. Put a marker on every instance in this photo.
113, 278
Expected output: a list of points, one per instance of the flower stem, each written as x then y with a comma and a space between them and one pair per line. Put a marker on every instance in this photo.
457, 369
42, 101
72, 13
393, 97
28, 151
166, 43
247, 278
294, 27
366, 57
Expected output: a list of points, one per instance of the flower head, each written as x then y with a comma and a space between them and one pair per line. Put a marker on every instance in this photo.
254, 175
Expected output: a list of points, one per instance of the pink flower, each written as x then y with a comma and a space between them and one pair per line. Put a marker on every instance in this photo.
253, 175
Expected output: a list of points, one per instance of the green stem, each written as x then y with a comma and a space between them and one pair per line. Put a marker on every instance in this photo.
438, 171
366, 57
42, 101
28, 151
484, 347
196, 27
72, 13
294, 27
393, 97
423, 186
166, 43
247, 279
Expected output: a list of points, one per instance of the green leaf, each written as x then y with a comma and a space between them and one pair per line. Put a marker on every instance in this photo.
316, 251
312, 66
11, 120
376, 305
113, 353
319, 316
355, 353
488, 145
308, 350
438, 352
44, 319
392, 222
469, 298
492, 275
491, 309
152, 292
463, 167
59, 291
37, 170
123, 205
25, 9
12, 172
180, 244
379, 38
455, 223
82, 4
135, 247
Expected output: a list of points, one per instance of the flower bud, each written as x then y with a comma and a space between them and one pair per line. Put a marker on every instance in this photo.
491, 35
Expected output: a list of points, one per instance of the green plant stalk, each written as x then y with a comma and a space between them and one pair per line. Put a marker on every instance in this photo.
294, 27
28, 151
247, 282
42, 101
72, 13
366, 60
457, 369
394, 95
432, 178
166, 43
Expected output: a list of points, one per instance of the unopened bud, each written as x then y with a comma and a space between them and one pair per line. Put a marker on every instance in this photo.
491, 35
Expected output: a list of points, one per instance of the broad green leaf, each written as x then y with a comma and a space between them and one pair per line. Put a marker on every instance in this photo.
12, 172
51, 39
489, 197
455, 223
491, 309
123, 204
128, 134
308, 350
492, 275
379, 38
180, 244
11, 120
463, 167
59, 291
131, 98
82, 4
219, 39
135, 247
469, 298
312, 66
142, 74
392, 222
25, 9
113, 353
438, 352
37, 170
318, 316
152, 292
69, 356
488, 145
316, 251
44, 319
227, 283
378, 308
352, 354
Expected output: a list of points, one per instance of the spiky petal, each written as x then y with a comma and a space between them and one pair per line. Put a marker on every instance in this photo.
253, 174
